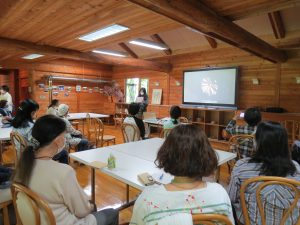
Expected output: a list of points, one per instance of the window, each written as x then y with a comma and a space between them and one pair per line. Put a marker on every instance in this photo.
133, 86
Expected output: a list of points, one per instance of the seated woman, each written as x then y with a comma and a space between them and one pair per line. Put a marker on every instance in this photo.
23, 123
52, 108
55, 182
272, 158
133, 110
6, 115
187, 155
175, 113
73, 136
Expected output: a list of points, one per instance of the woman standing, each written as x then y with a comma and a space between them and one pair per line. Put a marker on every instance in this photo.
144, 101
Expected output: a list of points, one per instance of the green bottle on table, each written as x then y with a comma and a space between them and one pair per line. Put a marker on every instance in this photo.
111, 162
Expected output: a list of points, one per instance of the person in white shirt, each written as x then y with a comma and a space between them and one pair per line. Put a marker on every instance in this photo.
5, 95
188, 156
52, 108
56, 183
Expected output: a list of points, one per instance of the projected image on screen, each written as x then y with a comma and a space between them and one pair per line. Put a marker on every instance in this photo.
214, 86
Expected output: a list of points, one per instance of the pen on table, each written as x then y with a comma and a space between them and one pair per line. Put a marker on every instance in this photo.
161, 176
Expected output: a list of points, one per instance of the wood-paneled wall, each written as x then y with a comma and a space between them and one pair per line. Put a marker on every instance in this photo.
83, 101
277, 81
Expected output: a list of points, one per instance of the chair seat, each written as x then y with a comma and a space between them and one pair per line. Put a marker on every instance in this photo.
108, 137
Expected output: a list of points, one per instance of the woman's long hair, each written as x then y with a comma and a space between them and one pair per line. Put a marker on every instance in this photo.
44, 131
53, 103
145, 93
272, 150
24, 112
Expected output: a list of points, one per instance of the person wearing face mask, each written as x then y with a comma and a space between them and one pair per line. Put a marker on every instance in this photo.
143, 101
23, 123
56, 183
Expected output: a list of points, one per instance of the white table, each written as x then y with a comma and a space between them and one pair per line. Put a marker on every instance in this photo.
80, 116
133, 158
4, 136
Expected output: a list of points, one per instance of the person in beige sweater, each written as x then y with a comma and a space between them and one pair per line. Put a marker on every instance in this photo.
54, 182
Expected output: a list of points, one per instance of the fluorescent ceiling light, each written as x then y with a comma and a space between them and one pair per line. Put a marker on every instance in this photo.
110, 52
32, 56
104, 32
149, 44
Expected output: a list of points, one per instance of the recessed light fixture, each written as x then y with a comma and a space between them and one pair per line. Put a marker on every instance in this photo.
32, 56
110, 52
0, 67
149, 44
104, 32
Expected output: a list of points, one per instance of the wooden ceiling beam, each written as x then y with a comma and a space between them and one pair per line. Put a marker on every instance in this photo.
277, 24
156, 37
212, 42
291, 44
22, 46
195, 14
128, 50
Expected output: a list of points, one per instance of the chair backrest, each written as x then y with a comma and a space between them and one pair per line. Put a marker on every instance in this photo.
30, 208
130, 132
165, 132
19, 143
237, 142
293, 130
262, 182
99, 131
210, 219
183, 119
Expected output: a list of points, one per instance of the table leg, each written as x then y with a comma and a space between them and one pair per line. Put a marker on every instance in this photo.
93, 184
127, 193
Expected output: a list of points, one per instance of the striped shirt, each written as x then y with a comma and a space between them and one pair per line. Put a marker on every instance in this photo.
278, 197
246, 147
156, 203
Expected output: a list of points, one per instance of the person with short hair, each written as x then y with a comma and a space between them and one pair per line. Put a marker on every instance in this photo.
73, 136
175, 113
5, 95
271, 158
188, 156
52, 108
56, 183
133, 110
252, 117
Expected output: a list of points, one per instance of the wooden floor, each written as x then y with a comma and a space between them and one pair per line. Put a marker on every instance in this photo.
109, 191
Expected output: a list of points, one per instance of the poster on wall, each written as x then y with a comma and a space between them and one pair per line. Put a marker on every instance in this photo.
66, 94
61, 87
156, 96
41, 86
46, 89
54, 88
78, 88
84, 89
69, 89
55, 93
91, 90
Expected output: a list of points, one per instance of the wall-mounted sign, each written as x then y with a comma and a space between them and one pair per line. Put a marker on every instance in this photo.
61, 87
55, 93
78, 88
41, 86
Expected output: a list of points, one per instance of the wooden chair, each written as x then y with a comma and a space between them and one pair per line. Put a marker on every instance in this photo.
4, 207
210, 219
130, 132
101, 139
164, 133
89, 126
30, 208
234, 144
265, 181
183, 119
19, 144
293, 130
118, 120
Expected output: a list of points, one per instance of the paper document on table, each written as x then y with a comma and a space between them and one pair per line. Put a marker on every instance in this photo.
98, 164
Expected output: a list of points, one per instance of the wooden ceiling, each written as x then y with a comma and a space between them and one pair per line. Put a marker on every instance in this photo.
59, 23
